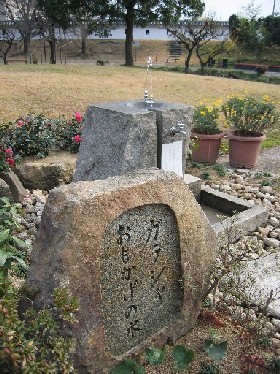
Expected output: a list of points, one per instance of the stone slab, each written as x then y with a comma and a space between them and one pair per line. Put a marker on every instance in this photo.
194, 184
121, 137
264, 277
4, 189
17, 190
136, 250
222, 201
116, 140
243, 223
47, 173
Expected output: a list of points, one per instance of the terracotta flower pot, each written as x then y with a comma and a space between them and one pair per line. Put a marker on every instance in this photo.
244, 150
207, 147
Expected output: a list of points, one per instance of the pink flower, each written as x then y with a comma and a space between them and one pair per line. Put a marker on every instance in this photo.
69, 123
20, 123
79, 117
77, 139
8, 152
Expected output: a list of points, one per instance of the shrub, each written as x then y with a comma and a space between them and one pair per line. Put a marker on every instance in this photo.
35, 135
31, 136
67, 133
261, 70
206, 120
6, 158
35, 344
248, 115
13, 251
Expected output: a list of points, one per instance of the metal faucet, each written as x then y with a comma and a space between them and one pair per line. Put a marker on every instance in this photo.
178, 130
146, 95
148, 83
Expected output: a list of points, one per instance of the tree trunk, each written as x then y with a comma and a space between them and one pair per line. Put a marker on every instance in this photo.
188, 59
5, 58
52, 44
202, 67
45, 51
129, 35
26, 45
84, 40
6, 51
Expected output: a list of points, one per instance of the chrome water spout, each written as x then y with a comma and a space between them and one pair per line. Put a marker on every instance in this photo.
146, 95
147, 99
179, 129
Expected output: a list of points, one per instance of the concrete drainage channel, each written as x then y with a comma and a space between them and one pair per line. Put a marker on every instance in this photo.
230, 216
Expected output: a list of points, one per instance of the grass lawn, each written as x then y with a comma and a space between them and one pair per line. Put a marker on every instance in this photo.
62, 89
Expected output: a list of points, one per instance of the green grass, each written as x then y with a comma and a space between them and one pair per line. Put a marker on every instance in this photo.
272, 139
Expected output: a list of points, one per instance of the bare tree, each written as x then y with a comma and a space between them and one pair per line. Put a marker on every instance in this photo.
251, 10
206, 52
23, 13
7, 37
195, 34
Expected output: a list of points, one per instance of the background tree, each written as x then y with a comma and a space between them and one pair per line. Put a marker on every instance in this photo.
7, 36
206, 52
271, 29
140, 13
23, 12
70, 14
246, 33
55, 13
195, 35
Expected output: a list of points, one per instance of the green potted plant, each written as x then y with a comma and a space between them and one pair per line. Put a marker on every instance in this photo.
248, 117
206, 134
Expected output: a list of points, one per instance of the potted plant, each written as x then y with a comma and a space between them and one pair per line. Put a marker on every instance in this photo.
206, 134
248, 117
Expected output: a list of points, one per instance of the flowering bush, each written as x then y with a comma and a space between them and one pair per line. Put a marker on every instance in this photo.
67, 133
248, 115
35, 136
6, 158
206, 120
31, 136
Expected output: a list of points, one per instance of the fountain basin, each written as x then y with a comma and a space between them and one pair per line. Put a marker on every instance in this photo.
120, 137
146, 105
231, 217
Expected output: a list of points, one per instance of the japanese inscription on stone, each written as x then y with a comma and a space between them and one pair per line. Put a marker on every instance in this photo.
141, 275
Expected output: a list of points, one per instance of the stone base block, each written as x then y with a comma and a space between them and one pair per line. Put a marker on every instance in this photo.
136, 251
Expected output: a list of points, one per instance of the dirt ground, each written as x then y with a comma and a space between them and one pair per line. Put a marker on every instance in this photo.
63, 89
243, 352
269, 161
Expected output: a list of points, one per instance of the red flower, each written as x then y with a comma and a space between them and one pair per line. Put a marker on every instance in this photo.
77, 139
69, 123
10, 161
20, 123
79, 117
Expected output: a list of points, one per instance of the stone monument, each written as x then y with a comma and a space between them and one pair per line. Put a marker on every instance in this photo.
135, 250
124, 136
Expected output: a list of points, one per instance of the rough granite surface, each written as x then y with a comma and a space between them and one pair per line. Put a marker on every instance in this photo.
135, 250
118, 138
46, 173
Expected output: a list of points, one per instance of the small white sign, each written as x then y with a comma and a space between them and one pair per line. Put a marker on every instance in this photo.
171, 159
136, 43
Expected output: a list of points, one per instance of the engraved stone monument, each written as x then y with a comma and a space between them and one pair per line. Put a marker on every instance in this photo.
124, 136
136, 250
